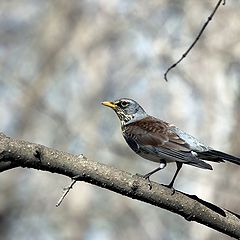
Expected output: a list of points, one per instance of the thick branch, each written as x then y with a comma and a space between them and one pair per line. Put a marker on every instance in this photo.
4, 166
26, 154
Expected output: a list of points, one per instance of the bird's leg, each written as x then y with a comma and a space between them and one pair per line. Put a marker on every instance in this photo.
170, 185
147, 176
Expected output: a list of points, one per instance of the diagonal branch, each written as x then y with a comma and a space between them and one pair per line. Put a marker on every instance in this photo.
196, 39
26, 154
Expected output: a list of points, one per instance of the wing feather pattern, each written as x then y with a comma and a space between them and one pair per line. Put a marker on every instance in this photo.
155, 136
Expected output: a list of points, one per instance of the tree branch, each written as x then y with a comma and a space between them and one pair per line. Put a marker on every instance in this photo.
26, 154
196, 39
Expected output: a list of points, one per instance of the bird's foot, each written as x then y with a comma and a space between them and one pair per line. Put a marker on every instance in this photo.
170, 186
147, 177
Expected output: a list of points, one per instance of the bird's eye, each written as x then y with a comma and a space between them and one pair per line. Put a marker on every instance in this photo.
124, 104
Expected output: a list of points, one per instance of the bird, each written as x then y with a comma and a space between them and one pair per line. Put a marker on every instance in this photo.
159, 141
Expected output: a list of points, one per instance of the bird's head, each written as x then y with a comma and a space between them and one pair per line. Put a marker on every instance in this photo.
127, 110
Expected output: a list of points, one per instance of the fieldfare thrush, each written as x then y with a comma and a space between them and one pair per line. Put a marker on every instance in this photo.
161, 142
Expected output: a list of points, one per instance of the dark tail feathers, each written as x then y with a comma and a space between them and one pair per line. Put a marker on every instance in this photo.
201, 164
217, 156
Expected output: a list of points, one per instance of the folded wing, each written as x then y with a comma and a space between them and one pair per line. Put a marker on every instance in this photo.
154, 136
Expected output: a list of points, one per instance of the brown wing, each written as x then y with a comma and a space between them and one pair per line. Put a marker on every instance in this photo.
154, 136
157, 133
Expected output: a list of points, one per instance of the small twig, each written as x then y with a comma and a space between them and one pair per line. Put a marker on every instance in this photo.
66, 191
196, 39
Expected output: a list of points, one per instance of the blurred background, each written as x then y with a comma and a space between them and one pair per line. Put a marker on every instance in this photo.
60, 59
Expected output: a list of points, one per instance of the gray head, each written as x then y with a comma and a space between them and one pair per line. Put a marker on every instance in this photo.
127, 110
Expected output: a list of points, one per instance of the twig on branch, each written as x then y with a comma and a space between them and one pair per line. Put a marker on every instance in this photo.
196, 39
26, 154
66, 191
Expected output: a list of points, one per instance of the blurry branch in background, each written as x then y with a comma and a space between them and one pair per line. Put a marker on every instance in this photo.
25, 154
196, 39
49, 58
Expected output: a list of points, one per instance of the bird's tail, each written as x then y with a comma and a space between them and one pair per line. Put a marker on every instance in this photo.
214, 155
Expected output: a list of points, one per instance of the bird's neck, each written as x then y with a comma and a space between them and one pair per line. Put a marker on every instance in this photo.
131, 118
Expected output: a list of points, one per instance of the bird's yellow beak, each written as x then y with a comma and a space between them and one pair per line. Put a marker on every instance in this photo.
109, 104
